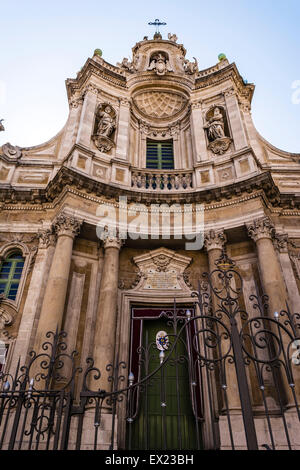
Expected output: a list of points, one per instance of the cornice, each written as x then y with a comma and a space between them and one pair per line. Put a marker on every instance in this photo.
219, 76
67, 179
102, 70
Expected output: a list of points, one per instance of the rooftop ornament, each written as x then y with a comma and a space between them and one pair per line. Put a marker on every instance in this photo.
2, 128
222, 57
157, 23
98, 52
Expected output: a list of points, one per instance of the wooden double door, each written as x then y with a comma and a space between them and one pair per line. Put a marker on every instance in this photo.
165, 415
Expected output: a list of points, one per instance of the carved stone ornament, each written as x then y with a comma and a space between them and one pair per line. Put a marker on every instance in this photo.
6, 319
220, 146
104, 127
281, 241
172, 37
159, 104
127, 284
127, 65
104, 144
161, 261
295, 258
215, 239
46, 238
67, 225
11, 151
111, 238
161, 270
261, 228
159, 63
190, 68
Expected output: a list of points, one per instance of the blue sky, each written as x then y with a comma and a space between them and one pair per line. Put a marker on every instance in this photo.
43, 43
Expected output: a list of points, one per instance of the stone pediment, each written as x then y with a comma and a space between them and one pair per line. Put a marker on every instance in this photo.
162, 270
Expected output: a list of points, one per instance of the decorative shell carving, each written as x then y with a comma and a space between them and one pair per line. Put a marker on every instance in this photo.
160, 104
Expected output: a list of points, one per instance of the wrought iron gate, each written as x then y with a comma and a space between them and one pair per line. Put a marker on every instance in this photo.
241, 367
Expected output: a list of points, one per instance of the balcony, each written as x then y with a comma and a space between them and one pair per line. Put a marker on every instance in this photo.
162, 180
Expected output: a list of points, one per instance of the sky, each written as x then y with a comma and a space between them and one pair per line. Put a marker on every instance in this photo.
44, 43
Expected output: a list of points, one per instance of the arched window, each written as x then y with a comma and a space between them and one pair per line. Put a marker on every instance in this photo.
10, 275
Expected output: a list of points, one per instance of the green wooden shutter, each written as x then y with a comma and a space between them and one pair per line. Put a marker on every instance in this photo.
160, 155
10, 275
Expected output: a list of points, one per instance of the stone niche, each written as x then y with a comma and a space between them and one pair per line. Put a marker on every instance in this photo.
217, 130
104, 127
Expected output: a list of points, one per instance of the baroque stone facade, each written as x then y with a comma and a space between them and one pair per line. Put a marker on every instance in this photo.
85, 279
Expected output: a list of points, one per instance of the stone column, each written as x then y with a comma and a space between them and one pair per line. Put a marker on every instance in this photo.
71, 128
123, 129
281, 245
214, 244
55, 295
32, 303
106, 320
198, 132
87, 116
236, 124
262, 231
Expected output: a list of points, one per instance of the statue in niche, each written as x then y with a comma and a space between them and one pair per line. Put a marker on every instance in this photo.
218, 141
104, 127
160, 64
106, 122
215, 126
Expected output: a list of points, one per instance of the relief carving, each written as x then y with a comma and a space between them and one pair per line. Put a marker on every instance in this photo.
161, 270
159, 63
11, 151
6, 320
160, 104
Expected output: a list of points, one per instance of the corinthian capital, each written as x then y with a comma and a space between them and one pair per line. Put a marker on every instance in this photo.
67, 225
215, 240
261, 228
112, 240
281, 241
46, 238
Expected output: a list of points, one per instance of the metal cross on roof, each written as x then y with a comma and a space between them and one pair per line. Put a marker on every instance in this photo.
157, 23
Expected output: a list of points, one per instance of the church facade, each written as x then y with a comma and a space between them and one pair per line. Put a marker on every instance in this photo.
157, 171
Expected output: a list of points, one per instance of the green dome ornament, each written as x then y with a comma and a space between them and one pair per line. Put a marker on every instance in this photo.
98, 52
222, 57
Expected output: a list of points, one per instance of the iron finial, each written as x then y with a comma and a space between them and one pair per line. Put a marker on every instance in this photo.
157, 23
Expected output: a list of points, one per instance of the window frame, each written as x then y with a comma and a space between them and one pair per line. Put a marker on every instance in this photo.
28, 255
160, 160
14, 257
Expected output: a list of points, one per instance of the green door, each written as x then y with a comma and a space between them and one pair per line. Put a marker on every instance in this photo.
172, 426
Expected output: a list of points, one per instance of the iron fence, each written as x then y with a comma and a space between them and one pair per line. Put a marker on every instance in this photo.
215, 377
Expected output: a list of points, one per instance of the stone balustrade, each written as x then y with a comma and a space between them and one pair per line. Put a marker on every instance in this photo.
160, 180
